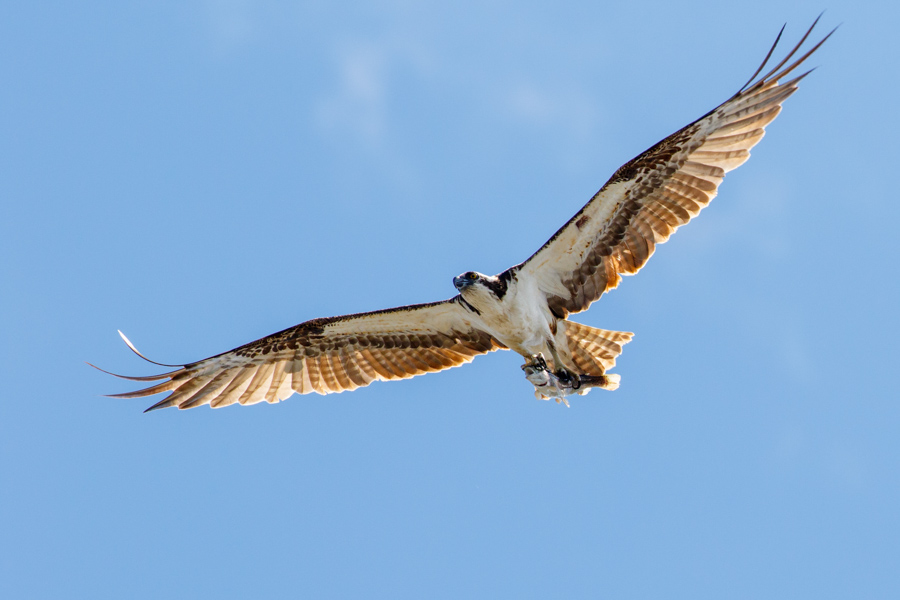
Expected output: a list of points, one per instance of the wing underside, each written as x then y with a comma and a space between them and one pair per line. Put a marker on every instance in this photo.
326, 356
657, 192
613, 235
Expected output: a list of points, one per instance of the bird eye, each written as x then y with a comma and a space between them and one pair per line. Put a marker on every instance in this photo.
472, 276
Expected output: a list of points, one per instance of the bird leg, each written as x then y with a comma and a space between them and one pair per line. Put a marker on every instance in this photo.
548, 384
559, 384
536, 371
567, 378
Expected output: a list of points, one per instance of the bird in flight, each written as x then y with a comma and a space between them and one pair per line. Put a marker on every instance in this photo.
526, 307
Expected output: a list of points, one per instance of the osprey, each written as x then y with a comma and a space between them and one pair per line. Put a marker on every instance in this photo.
524, 308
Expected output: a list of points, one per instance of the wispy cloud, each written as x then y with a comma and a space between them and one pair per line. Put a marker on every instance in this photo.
754, 217
543, 105
795, 353
230, 23
561, 113
358, 104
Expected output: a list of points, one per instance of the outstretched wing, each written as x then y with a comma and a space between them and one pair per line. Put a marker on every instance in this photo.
327, 356
651, 196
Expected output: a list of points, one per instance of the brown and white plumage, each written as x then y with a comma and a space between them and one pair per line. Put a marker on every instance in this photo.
657, 192
525, 307
326, 356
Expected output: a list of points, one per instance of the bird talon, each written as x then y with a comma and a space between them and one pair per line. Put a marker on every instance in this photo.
568, 378
537, 363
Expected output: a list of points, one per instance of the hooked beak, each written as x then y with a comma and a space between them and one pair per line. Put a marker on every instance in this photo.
461, 282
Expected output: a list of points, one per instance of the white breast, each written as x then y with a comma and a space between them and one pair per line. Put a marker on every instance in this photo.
520, 320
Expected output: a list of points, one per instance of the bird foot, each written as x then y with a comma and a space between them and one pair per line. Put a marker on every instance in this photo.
567, 378
536, 364
548, 385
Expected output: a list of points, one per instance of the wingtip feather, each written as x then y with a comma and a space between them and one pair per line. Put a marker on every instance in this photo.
774, 74
136, 351
133, 377
164, 403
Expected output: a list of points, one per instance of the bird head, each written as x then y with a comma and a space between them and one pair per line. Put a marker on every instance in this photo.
467, 280
473, 285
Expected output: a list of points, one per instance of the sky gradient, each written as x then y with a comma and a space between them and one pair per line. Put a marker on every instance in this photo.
201, 174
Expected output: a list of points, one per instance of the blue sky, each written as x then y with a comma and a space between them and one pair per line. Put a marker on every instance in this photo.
200, 174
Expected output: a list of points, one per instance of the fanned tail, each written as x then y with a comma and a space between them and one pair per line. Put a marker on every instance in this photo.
594, 351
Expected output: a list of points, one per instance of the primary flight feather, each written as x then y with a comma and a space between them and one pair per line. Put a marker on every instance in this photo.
524, 308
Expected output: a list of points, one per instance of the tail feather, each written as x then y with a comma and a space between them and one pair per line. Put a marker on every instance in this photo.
594, 351
612, 380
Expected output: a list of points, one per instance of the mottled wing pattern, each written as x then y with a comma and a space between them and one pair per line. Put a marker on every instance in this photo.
594, 351
327, 356
651, 196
